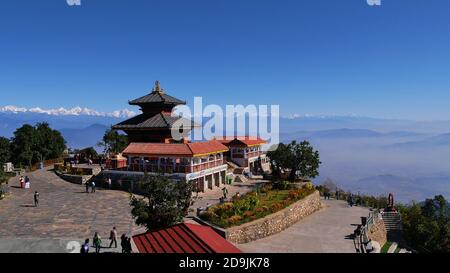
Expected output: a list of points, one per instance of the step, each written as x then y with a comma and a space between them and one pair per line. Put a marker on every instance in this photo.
392, 248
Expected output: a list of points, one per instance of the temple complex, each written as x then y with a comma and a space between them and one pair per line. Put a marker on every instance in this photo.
152, 149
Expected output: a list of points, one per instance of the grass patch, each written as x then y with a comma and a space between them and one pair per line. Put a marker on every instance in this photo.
254, 205
386, 247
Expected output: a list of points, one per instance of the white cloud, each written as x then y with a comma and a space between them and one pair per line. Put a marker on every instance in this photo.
75, 111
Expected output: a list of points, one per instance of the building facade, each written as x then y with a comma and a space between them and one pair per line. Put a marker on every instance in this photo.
246, 152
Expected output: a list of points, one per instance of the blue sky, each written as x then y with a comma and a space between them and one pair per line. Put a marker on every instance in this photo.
316, 56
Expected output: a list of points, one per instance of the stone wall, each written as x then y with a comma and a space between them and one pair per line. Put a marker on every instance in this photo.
76, 179
275, 222
378, 232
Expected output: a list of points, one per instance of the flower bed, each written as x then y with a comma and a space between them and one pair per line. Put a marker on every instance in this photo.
254, 205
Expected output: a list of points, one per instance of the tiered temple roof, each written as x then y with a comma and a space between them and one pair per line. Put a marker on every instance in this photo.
155, 122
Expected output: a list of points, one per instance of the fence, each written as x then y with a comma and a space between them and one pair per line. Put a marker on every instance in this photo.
362, 238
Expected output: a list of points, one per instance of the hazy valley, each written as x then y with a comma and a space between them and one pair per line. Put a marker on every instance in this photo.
376, 156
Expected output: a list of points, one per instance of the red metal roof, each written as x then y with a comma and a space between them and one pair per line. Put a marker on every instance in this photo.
206, 147
183, 238
241, 141
175, 149
145, 149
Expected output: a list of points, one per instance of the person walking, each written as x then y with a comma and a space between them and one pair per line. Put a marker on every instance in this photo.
87, 186
113, 237
36, 199
22, 182
128, 245
225, 192
123, 242
93, 186
97, 242
85, 247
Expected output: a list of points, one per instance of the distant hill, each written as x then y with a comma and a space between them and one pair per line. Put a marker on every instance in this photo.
345, 133
429, 142
9, 122
79, 131
85, 137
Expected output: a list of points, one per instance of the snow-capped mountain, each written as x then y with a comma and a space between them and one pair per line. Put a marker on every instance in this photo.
75, 111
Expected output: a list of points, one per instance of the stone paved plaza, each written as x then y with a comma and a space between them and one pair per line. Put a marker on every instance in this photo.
325, 231
65, 213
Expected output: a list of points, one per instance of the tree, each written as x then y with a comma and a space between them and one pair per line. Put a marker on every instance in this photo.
329, 184
300, 159
113, 142
5, 150
427, 226
34, 144
89, 152
50, 143
165, 202
23, 144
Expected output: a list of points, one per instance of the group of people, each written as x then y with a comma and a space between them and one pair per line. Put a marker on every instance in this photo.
25, 182
91, 185
125, 242
354, 201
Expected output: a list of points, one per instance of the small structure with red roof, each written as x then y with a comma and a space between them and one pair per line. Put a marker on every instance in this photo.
246, 152
183, 238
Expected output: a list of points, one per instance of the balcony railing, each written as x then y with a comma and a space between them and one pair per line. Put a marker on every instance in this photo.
178, 168
253, 154
247, 155
165, 168
207, 165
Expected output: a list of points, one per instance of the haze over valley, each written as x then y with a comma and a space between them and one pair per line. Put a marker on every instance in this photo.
367, 155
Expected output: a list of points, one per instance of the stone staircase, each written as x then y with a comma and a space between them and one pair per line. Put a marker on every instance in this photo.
238, 171
392, 221
232, 165
393, 224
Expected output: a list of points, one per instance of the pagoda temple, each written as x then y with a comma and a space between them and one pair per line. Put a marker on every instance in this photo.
156, 121
152, 149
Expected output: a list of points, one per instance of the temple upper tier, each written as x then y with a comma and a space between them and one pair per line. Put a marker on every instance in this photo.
156, 121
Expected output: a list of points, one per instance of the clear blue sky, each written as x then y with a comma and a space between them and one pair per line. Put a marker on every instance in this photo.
309, 56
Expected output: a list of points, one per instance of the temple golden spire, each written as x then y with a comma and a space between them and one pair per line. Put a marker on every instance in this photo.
157, 87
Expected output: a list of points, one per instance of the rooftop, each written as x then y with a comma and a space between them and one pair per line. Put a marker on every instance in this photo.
183, 238
244, 141
175, 149
157, 96
159, 120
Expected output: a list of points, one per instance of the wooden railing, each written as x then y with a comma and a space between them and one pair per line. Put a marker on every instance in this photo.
179, 168
254, 154
165, 168
207, 165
